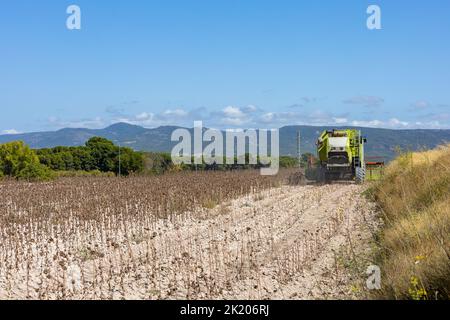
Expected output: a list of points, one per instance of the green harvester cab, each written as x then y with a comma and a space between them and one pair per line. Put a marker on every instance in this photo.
341, 155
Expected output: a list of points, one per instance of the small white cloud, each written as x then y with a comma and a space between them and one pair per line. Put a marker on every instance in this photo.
144, 116
420, 105
233, 112
10, 131
268, 117
236, 116
233, 121
394, 122
278, 118
251, 108
340, 120
165, 117
92, 123
367, 123
176, 113
96, 122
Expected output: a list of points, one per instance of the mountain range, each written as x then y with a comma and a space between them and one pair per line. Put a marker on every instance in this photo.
381, 142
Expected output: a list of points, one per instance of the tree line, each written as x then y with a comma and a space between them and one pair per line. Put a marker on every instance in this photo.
98, 155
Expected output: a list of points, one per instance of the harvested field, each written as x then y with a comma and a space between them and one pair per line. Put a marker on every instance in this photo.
232, 235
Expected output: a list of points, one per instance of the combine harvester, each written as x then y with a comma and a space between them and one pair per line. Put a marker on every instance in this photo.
340, 157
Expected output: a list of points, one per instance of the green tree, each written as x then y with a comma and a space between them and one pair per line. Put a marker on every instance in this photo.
18, 160
129, 161
108, 157
83, 159
103, 152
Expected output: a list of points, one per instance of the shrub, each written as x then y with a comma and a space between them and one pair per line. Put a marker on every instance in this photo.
35, 172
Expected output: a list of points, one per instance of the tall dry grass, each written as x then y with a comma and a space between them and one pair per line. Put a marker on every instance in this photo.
414, 198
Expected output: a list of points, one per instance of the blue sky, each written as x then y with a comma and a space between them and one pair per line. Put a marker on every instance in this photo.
230, 63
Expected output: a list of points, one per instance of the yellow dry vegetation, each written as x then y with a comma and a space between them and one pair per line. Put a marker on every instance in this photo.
414, 198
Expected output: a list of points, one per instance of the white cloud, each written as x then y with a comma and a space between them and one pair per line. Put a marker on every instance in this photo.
142, 119
251, 108
367, 123
166, 117
420, 105
176, 113
268, 117
277, 118
340, 120
144, 116
395, 123
93, 123
10, 131
235, 116
233, 112
233, 122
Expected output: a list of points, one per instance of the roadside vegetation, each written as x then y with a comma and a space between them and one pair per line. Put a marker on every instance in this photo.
414, 198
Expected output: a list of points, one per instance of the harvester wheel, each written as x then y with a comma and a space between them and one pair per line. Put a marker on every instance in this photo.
360, 175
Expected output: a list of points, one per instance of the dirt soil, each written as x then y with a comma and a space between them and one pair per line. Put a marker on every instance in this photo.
283, 243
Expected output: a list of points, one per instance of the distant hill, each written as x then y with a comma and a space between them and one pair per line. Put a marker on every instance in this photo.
381, 142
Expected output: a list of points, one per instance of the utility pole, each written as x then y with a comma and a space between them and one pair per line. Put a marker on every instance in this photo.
119, 160
299, 150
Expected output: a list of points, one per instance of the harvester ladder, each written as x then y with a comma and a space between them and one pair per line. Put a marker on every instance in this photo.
360, 168
355, 145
